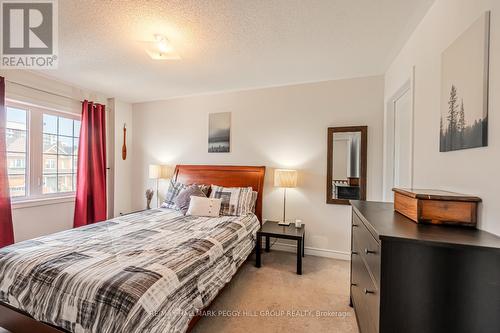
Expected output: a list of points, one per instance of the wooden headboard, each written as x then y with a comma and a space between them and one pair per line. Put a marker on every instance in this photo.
228, 176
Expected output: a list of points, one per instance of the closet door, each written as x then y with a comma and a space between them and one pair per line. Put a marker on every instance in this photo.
402, 141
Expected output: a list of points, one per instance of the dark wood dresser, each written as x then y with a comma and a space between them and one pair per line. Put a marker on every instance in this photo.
408, 277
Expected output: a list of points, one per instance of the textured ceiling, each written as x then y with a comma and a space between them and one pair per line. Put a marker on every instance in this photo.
227, 45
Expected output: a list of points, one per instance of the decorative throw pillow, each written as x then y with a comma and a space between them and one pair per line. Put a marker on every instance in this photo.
253, 201
199, 206
235, 200
174, 188
184, 197
204, 188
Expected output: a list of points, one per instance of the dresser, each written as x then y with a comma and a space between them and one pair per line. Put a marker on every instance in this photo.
408, 277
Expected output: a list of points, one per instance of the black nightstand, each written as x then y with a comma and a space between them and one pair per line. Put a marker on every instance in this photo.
272, 229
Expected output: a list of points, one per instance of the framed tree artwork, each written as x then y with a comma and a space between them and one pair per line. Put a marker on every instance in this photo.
464, 89
219, 132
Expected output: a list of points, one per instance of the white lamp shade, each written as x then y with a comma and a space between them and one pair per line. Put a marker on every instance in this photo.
160, 171
285, 178
154, 171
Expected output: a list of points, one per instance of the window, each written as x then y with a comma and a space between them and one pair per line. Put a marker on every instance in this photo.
42, 151
60, 153
17, 148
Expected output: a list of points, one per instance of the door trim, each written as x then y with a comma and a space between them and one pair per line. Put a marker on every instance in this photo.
389, 153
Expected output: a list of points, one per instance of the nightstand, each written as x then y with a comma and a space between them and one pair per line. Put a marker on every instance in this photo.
272, 229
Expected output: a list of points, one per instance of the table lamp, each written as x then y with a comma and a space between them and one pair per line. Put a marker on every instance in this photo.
285, 179
158, 172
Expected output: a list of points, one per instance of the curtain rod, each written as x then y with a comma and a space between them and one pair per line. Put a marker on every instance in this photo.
44, 91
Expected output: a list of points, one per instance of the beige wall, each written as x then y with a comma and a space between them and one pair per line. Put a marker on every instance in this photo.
276, 127
470, 171
39, 219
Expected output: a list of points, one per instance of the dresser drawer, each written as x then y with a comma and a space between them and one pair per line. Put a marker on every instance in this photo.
365, 295
369, 248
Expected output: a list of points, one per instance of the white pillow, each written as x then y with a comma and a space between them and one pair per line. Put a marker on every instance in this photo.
199, 206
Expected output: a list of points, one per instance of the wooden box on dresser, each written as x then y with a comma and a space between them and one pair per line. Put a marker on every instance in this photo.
408, 277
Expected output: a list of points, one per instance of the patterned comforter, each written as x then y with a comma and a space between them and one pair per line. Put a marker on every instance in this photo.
144, 272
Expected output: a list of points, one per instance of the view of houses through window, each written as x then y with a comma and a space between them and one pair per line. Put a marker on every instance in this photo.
42, 151
60, 153
17, 148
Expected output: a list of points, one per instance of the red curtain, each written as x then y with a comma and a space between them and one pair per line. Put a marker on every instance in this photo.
6, 229
90, 204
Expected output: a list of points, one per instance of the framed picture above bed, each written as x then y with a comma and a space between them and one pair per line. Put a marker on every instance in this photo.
464, 89
219, 132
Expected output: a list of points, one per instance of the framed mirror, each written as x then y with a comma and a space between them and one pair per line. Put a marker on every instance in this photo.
347, 158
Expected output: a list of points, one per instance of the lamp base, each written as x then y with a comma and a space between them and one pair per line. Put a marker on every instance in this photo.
284, 223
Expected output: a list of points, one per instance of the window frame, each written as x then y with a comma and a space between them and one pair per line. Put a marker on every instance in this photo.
34, 155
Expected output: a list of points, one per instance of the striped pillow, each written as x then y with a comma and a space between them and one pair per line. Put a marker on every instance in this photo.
236, 201
174, 188
253, 203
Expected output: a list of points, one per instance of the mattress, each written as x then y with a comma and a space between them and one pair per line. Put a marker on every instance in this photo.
146, 272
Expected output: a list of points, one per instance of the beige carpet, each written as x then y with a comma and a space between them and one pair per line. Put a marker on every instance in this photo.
274, 299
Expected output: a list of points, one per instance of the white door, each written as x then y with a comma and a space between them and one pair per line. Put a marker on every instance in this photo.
403, 141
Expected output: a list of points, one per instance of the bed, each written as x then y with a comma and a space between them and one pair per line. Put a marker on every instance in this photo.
150, 271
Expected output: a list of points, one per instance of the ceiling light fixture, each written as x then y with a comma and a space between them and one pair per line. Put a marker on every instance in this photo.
161, 49
163, 44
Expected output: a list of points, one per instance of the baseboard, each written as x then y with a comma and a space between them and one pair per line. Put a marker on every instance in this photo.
313, 251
